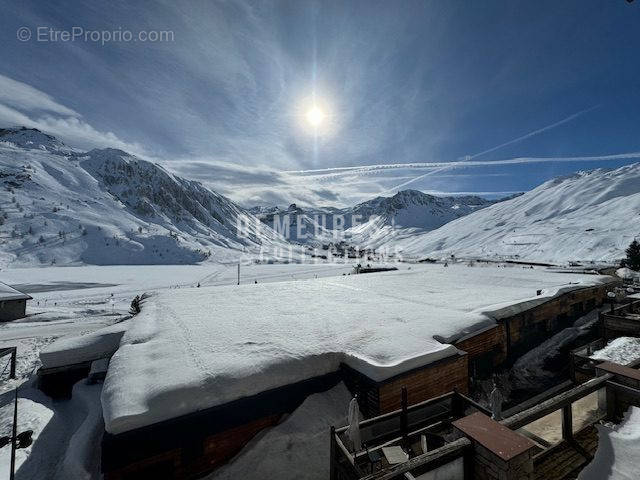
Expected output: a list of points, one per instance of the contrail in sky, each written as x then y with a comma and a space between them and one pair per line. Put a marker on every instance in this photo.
357, 169
534, 133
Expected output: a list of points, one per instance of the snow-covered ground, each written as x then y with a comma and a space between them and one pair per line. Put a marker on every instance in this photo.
66, 434
232, 342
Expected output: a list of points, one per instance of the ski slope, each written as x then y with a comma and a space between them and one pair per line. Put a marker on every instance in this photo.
589, 216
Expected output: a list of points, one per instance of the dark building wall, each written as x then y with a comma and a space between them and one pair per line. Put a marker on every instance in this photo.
12, 310
450, 374
423, 383
189, 446
528, 329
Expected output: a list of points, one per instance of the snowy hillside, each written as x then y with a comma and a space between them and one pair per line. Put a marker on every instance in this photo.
591, 215
108, 207
373, 222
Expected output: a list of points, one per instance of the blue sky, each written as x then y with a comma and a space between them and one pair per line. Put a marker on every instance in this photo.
441, 96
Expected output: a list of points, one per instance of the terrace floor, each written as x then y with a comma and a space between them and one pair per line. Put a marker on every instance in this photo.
565, 461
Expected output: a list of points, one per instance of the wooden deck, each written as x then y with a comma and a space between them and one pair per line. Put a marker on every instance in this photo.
565, 461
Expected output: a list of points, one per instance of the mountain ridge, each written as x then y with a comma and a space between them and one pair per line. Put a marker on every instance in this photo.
591, 215
106, 206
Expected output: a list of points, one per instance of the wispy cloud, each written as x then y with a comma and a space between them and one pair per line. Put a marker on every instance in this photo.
22, 104
25, 97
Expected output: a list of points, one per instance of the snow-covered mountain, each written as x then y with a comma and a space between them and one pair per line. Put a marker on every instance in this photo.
371, 223
34, 139
62, 206
588, 216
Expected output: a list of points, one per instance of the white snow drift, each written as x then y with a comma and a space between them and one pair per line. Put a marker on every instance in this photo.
618, 454
95, 345
296, 448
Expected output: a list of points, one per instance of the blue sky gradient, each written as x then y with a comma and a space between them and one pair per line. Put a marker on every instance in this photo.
436, 82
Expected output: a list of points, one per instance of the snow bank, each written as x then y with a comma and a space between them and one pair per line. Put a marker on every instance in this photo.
623, 350
66, 435
540, 366
81, 460
192, 349
84, 348
627, 273
297, 448
31, 416
618, 454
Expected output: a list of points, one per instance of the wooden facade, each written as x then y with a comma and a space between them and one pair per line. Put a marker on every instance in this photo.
189, 446
13, 309
528, 329
375, 398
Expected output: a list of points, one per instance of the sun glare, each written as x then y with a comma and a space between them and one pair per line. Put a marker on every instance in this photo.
315, 116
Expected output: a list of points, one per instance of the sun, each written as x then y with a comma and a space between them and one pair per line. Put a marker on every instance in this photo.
315, 116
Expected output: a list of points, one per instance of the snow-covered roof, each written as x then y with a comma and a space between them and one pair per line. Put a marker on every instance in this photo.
84, 348
10, 293
192, 349
622, 350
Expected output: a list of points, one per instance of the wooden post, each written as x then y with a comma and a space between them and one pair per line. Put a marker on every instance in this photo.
404, 420
567, 423
507, 331
332, 454
14, 434
12, 370
457, 405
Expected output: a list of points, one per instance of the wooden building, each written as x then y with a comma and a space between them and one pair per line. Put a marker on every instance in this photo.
13, 304
190, 445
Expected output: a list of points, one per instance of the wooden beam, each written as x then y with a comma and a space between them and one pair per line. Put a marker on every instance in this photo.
525, 417
474, 404
533, 401
396, 413
567, 423
624, 388
404, 418
398, 440
344, 450
539, 440
438, 457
